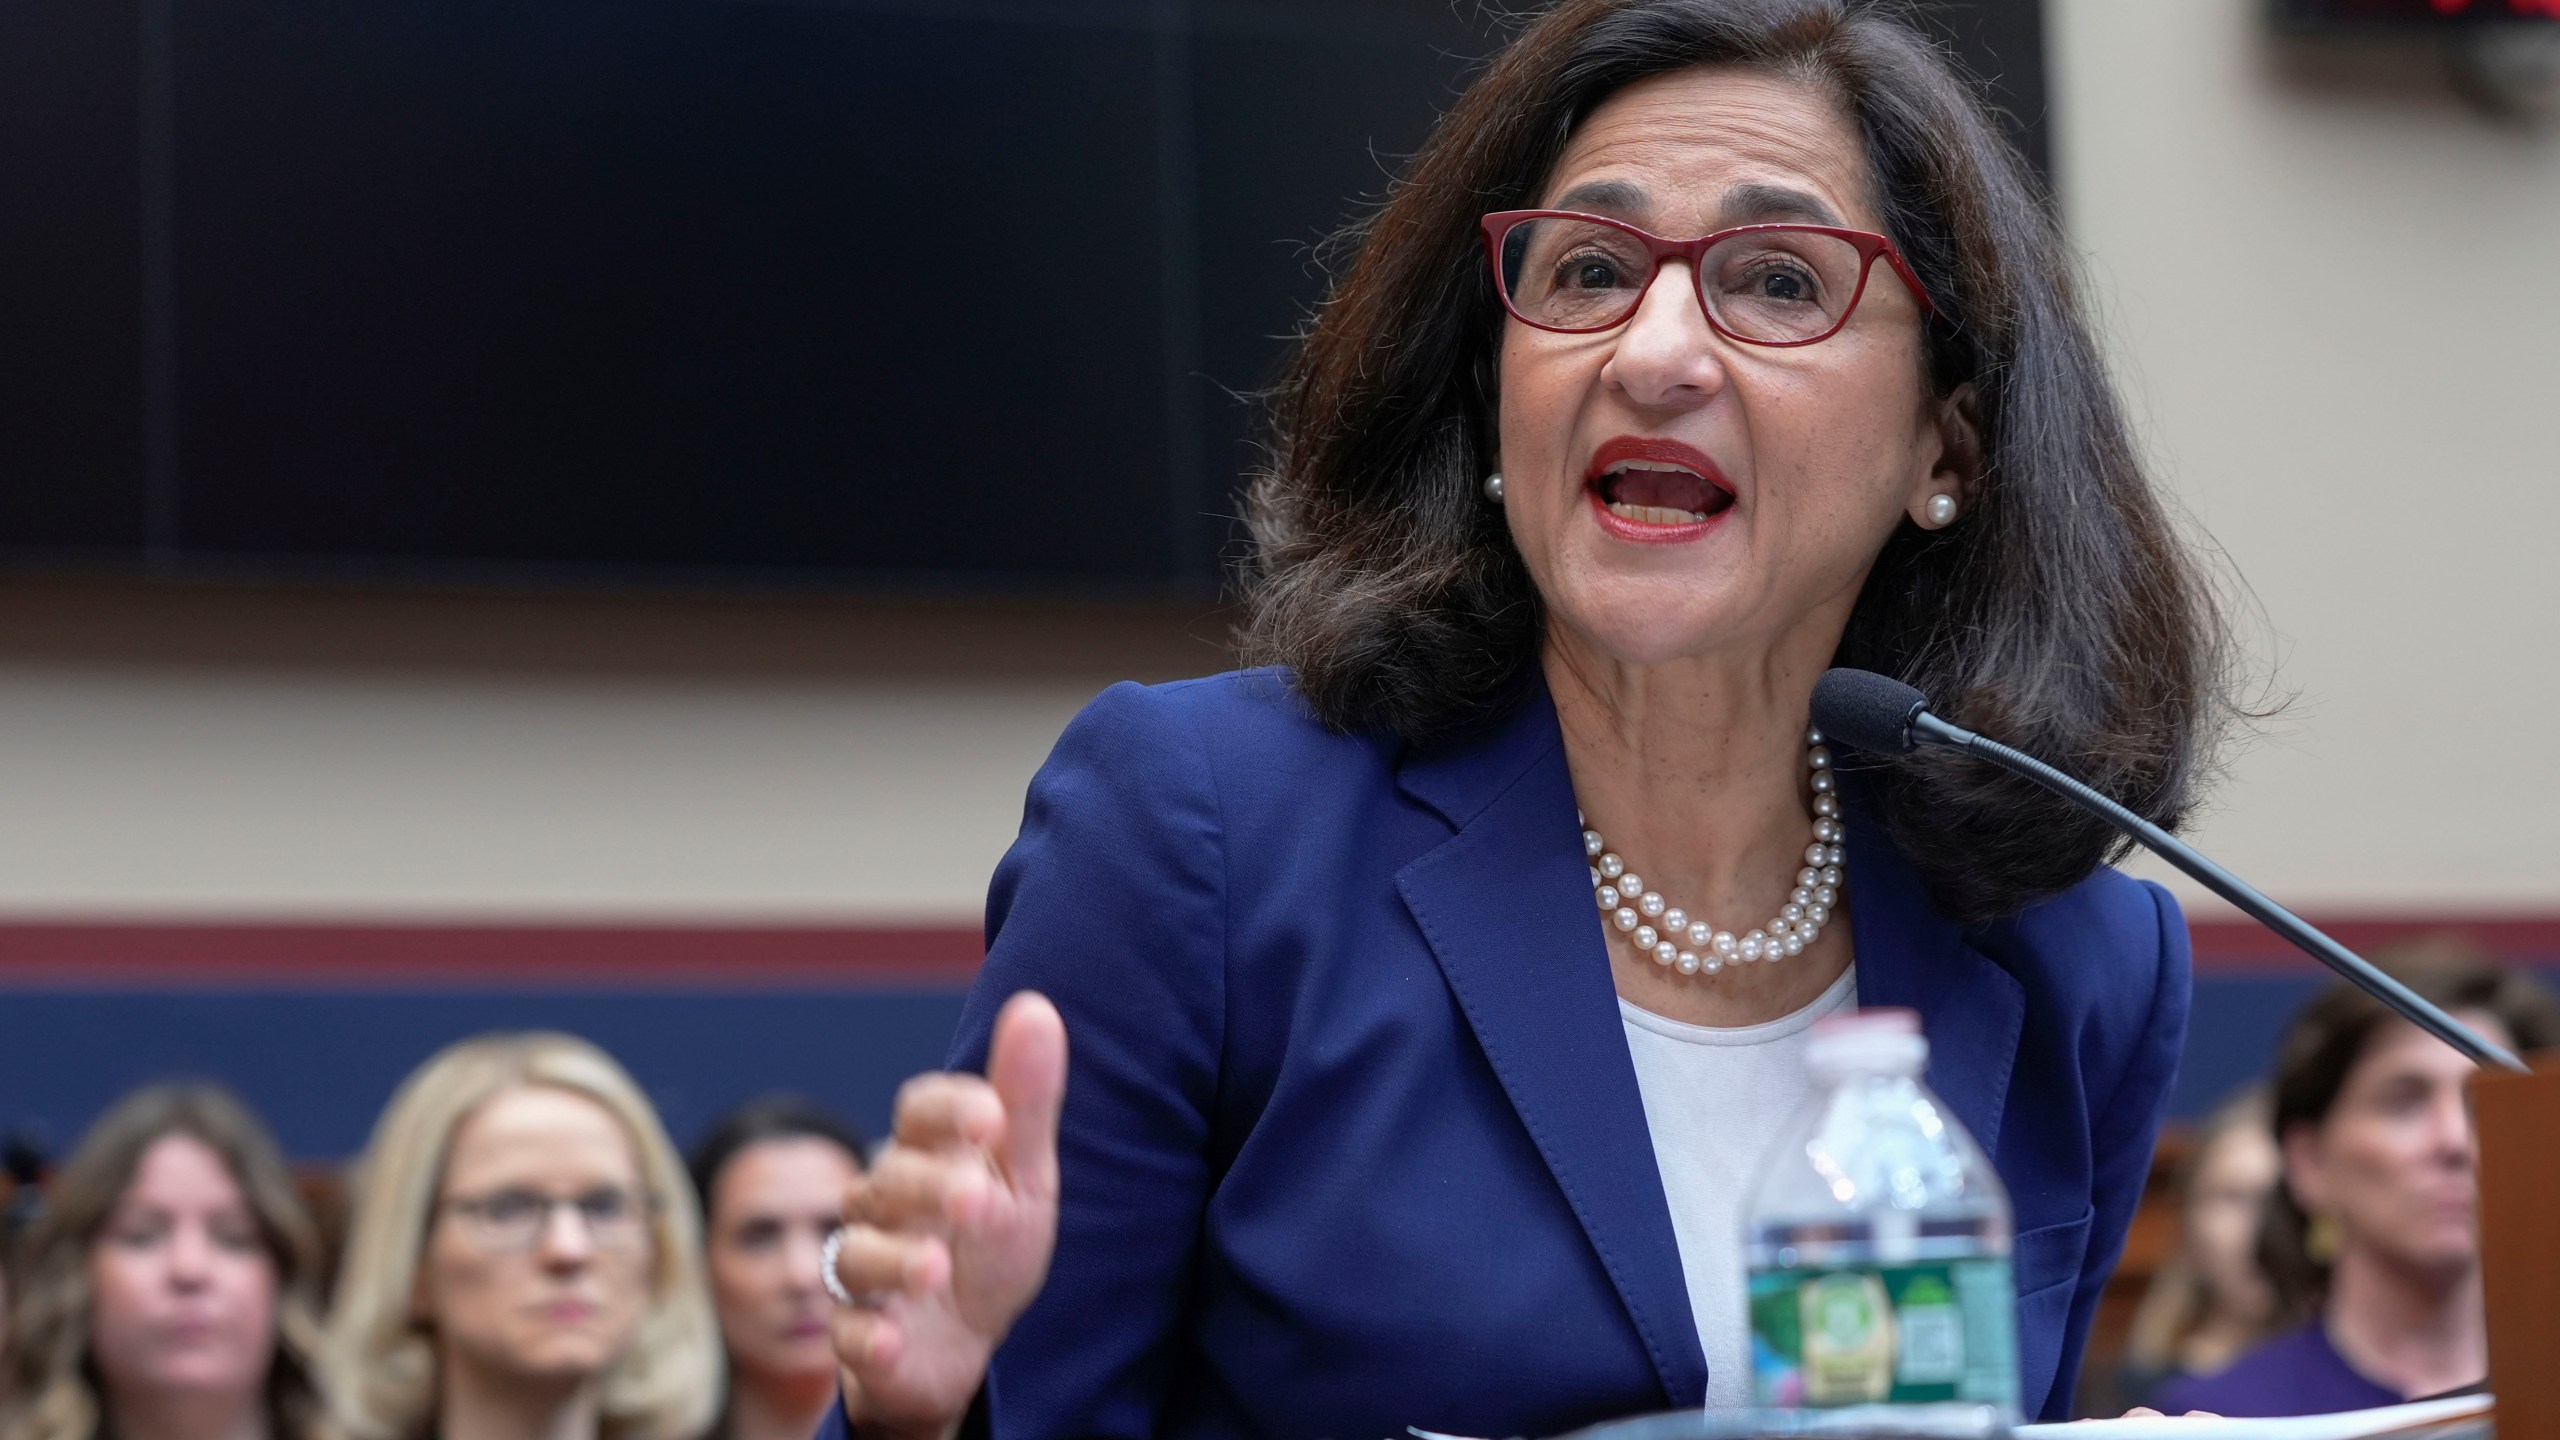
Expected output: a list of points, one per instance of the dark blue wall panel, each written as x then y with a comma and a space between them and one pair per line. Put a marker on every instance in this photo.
320, 1064
2231, 1037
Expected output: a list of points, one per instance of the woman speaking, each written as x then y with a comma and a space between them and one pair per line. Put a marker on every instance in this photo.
1434, 990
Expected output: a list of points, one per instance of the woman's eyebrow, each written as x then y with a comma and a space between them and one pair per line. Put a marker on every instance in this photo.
1759, 203
1751, 203
1605, 197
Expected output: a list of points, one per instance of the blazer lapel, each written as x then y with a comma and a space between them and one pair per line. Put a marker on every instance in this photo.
1972, 1011
1506, 907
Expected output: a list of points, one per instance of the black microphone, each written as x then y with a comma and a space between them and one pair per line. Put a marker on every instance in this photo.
1874, 712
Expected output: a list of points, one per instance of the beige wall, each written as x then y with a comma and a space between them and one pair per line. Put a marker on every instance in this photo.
2387, 483
213, 754
2331, 287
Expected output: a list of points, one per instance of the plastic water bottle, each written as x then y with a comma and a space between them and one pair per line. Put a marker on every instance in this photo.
1878, 1241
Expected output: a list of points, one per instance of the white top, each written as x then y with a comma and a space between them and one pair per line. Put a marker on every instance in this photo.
1715, 1100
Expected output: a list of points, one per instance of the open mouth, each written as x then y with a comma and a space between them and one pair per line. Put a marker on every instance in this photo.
1659, 492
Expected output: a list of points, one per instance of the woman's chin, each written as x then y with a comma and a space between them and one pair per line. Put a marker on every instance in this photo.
2444, 1250
198, 1375
1647, 622
795, 1357
565, 1358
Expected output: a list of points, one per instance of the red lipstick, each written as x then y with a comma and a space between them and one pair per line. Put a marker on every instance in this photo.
1698, 486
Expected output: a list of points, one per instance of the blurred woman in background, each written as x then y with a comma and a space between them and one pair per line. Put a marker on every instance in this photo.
2211, 1301
523, 1262
169, 1291
772, 1178
2372, 1239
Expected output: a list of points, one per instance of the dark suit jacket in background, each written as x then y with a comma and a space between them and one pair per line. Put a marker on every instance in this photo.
1352, 1137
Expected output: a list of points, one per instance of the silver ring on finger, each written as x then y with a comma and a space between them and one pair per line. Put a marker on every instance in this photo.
827, 1276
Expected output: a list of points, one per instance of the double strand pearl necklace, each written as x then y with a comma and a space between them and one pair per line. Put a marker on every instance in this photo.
1668, 935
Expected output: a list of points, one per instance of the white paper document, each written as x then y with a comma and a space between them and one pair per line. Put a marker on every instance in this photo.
2346, 1425
2455, 1418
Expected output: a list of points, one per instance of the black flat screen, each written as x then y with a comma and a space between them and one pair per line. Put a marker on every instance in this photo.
665, 291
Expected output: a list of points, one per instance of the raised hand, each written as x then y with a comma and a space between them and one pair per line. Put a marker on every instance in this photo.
949, 1235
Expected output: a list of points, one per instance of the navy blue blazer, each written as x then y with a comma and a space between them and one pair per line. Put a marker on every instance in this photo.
1352, 1137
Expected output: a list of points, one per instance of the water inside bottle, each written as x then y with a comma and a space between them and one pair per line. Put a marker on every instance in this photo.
1877, 1244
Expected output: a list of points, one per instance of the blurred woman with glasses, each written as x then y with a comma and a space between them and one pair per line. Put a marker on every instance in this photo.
1435, 991
169, 1290
523, 1259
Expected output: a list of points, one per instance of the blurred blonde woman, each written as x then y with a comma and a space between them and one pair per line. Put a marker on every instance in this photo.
523, 1261
170, 1290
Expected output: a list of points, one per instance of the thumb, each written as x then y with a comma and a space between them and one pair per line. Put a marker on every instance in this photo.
1027, 1064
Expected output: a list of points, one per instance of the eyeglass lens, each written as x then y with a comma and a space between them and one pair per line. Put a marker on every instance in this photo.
515, 1219
1769, 285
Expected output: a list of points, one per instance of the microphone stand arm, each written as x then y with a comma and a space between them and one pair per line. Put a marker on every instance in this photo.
1930, 729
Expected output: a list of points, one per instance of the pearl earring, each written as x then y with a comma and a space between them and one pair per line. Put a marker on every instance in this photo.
1941, 510
1493, 487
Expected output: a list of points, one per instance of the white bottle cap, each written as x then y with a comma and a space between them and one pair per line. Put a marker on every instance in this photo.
1868, 1042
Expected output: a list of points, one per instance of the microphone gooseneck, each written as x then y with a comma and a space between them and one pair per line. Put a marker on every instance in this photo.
1877, 713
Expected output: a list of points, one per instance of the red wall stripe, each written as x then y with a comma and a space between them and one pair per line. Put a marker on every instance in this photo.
299, 954
313, 954
2245, 945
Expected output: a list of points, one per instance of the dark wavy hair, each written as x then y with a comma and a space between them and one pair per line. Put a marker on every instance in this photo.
769, 1117
2319, 1052
2063, 614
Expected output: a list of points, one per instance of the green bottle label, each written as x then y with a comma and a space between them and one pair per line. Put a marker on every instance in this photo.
1936, 1331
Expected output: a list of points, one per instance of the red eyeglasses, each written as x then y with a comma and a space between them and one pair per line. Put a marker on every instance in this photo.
1759, 284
